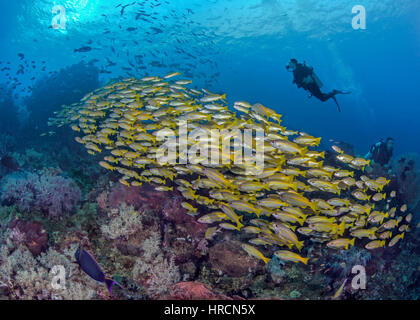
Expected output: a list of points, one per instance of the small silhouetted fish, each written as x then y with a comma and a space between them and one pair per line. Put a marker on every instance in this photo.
130, 29
156, 30
110, 63
83, 49
21, 55
91, 62
123, 7
92, 269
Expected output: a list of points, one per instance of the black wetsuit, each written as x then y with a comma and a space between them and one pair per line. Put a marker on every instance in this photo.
300, 73
380, 153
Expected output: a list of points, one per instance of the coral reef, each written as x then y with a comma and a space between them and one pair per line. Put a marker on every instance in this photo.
120, 194
326, 193
31, 233
138, 234
147, 241
192, 290
155, 252
153, 270
408, 179
48, 193
31, 159
229, 258
23, 276
124, 222
340, 265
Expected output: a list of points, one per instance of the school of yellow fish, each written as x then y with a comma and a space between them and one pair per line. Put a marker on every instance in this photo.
278, 207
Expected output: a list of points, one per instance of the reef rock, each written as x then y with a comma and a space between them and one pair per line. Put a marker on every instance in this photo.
228, 257
120, 194
192, 290
31, 233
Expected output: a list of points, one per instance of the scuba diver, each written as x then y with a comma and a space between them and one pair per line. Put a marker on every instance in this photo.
305, 78
381, 152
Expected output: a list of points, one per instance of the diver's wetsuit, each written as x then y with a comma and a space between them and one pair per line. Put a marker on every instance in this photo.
380, 153
301, 72
316, 92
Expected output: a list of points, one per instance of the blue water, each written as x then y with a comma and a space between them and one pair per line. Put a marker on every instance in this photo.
241, 48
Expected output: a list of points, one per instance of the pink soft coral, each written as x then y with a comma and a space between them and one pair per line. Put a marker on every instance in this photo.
48, 193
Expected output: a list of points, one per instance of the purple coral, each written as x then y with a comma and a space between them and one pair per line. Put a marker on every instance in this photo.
48, 193
31, 233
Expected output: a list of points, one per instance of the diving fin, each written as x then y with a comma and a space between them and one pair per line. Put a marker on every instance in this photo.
336, 102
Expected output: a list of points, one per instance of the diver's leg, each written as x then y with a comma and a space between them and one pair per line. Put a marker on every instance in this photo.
333, 93
324, 97
316, 92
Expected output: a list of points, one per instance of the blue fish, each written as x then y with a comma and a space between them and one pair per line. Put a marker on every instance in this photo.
92, 269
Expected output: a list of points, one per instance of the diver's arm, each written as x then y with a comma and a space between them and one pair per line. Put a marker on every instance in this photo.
372, 149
